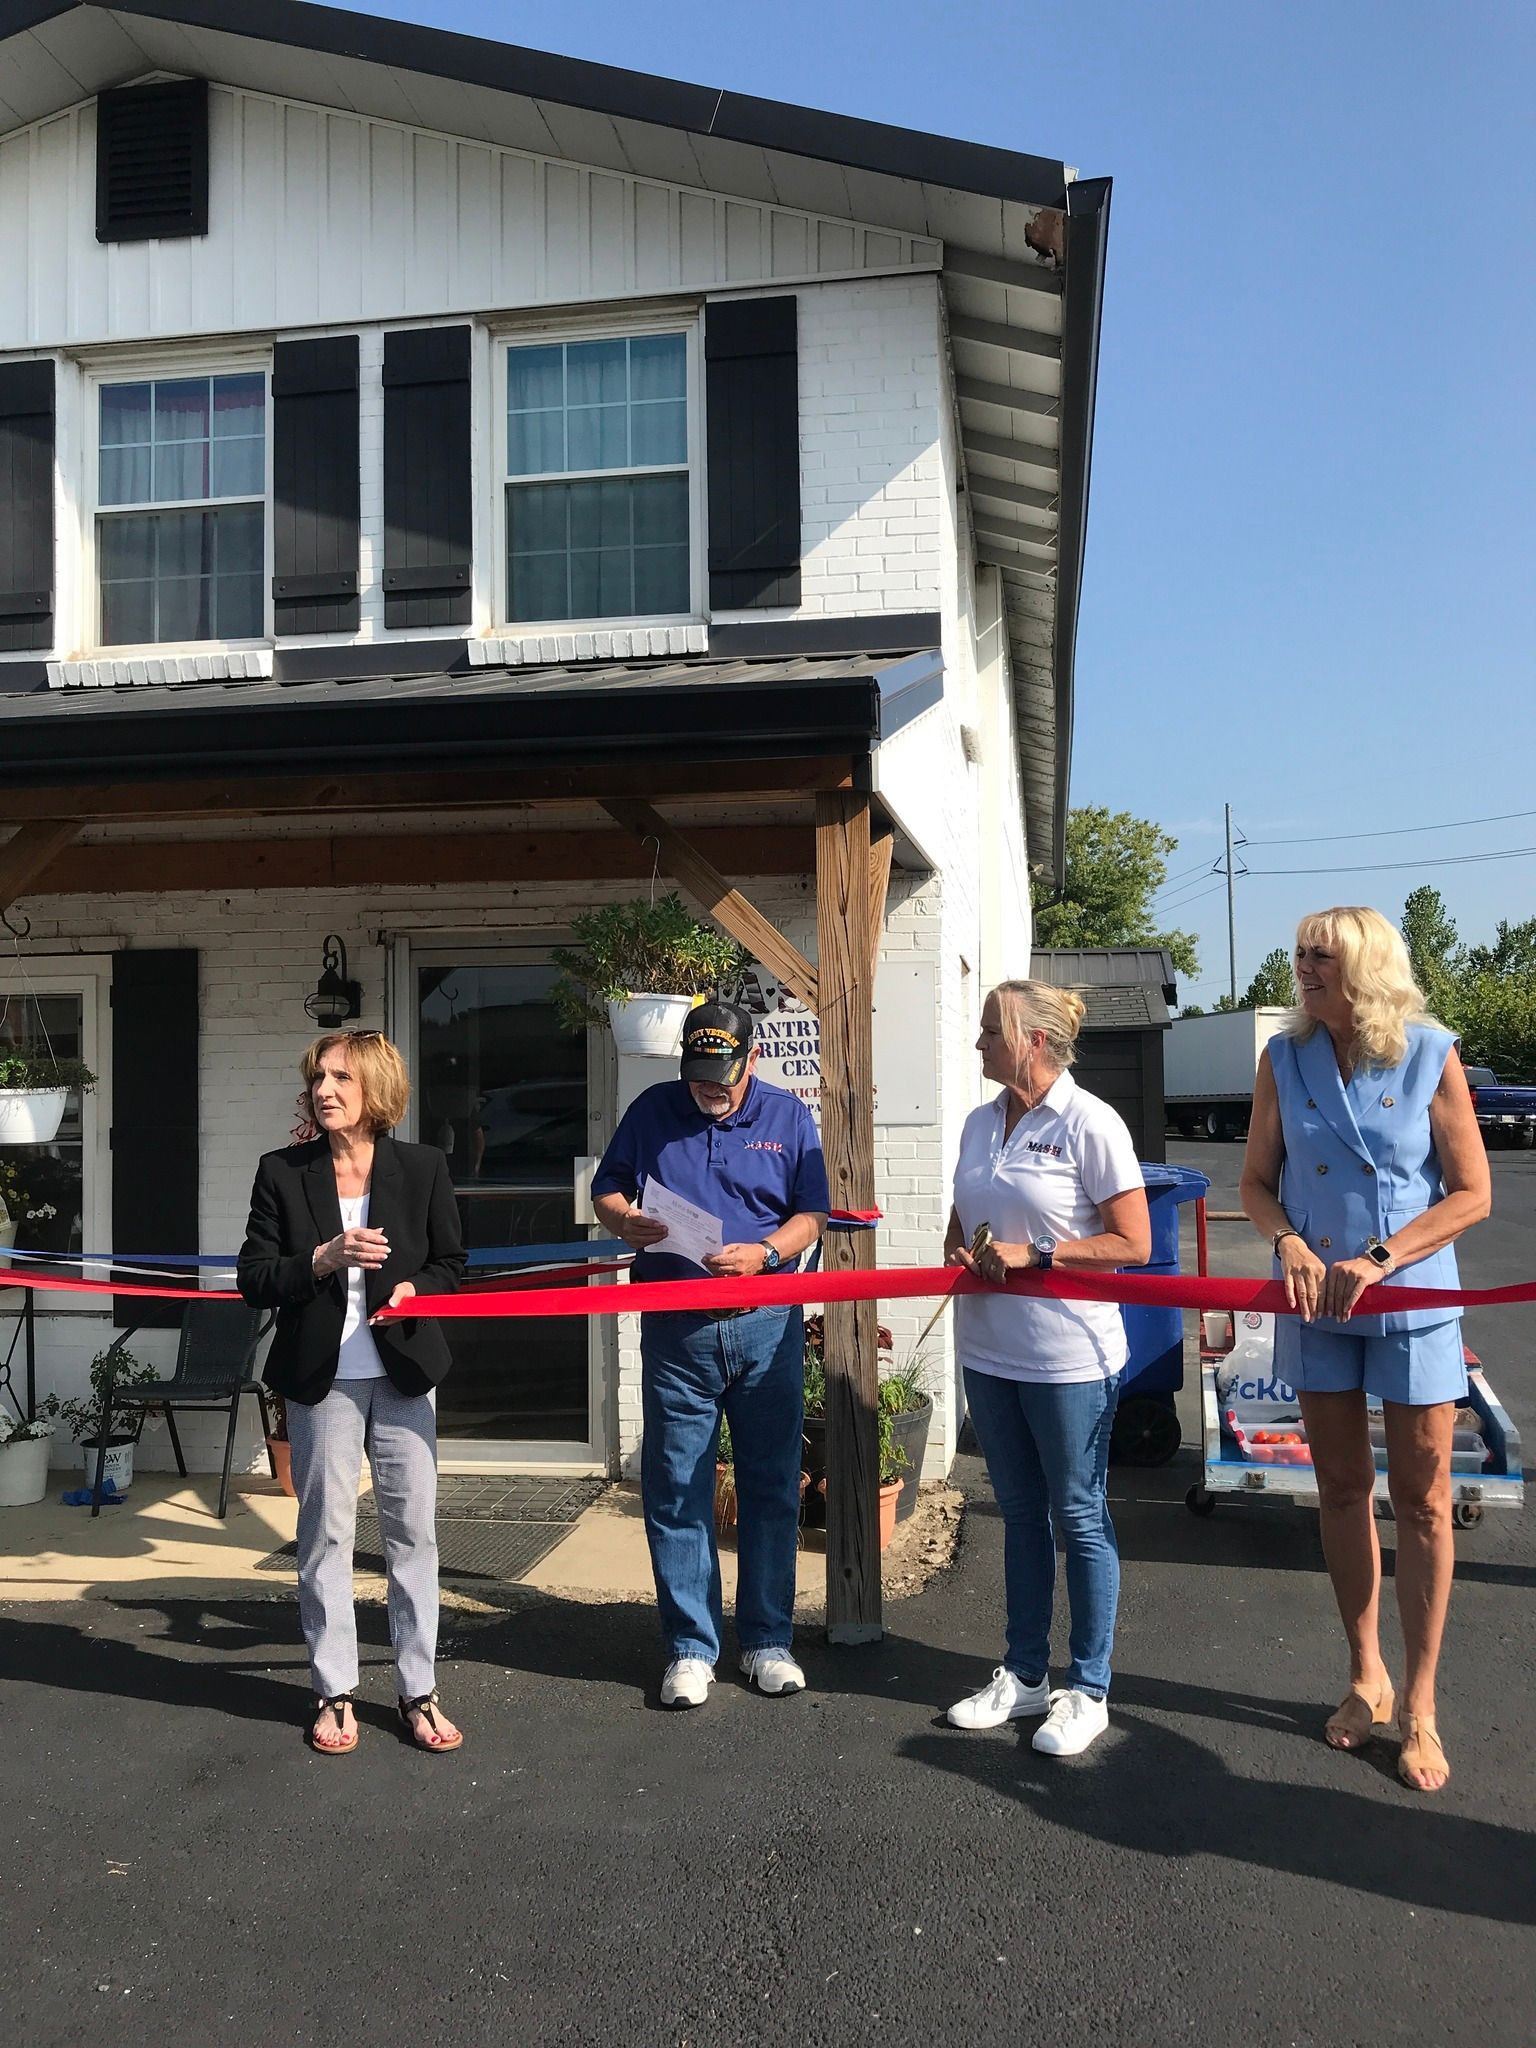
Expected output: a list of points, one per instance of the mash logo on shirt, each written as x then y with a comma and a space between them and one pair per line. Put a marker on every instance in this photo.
762, 1145
1039, 1145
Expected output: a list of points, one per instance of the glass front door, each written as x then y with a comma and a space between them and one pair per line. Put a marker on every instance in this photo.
502, 1088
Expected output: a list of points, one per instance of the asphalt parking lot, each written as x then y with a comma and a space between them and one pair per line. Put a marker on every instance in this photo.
175, 1867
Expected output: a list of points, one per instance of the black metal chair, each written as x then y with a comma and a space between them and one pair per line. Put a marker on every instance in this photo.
214, 1367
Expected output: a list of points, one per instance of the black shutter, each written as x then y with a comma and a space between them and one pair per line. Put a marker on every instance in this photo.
314, 485
26, 506
152, 161
428, 480
752, 397
155, 1149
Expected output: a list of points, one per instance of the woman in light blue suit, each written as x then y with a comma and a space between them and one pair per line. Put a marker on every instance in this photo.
1365, 1160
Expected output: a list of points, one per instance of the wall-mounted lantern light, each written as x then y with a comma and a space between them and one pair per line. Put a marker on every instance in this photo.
336, 1000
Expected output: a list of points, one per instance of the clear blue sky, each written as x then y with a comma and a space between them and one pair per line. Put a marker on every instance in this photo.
1311, 582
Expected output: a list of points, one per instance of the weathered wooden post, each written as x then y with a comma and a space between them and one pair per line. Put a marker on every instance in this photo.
845, 988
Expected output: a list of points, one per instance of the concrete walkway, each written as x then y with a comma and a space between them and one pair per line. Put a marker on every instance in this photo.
166, 1538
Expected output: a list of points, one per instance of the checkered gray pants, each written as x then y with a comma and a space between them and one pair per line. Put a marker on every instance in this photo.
399, 1432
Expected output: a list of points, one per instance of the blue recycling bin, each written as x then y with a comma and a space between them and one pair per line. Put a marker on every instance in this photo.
1156, 1335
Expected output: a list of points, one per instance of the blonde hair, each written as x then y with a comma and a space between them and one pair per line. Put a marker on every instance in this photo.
378, 1066
1026, 1006
1375, 976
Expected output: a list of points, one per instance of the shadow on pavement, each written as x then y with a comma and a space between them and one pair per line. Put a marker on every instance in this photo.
1151, 1789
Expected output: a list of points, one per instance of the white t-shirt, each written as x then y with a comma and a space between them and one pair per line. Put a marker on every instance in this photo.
1064, 1157
358, 1358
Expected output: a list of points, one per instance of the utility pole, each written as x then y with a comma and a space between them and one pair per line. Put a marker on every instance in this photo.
1231, 917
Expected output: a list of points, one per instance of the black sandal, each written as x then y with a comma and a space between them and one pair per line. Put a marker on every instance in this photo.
424, 1706
343, 1699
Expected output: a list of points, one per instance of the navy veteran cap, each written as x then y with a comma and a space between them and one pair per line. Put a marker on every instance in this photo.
717, 1038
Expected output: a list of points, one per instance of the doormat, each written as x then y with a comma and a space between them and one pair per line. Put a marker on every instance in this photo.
490, 1528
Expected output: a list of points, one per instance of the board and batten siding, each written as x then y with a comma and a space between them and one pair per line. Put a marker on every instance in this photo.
318, 217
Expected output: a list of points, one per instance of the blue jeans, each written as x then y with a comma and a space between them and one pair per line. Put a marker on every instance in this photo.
750, 1369
1047, 1447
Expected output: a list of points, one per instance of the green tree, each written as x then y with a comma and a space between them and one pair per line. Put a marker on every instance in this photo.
1434, 946
1486, 994
1274, 984
1115, 866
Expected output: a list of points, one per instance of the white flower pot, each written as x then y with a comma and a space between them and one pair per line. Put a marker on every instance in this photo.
7, 1235
23, 1472
118, 1468
649, 1026
31, 1116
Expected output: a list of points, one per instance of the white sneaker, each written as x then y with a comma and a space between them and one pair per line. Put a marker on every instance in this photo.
772, 1671
1002, 1698
1074, 1721
687, 1682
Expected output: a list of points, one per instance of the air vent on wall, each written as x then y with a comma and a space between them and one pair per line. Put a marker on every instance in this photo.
152, 161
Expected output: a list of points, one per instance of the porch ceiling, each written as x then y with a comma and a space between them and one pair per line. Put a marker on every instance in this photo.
1023, 243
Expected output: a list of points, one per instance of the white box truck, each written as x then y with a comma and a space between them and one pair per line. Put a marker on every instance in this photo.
1208, 1069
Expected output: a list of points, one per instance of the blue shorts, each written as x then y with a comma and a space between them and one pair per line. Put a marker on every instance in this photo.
1414, 1367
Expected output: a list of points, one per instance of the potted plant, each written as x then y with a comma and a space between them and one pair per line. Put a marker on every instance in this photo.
640, 967
24, 1459
893, 1464
909, 1407
725, 1482
279, 1449
816, 1395
83, 1419
34, 1087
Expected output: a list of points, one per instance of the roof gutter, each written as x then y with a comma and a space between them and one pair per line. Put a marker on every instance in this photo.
1087, 204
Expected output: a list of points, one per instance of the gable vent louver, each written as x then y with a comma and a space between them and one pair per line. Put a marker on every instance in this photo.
152, 161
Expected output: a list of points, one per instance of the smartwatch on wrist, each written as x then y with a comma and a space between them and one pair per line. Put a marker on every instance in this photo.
772, 1259
1044, 1249
1274, 1242
1378, 1254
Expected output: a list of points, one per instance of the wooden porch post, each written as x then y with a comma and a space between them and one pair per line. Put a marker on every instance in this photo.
845, 989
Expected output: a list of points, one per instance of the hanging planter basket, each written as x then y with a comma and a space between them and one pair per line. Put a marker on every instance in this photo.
31, 1116
649, 1027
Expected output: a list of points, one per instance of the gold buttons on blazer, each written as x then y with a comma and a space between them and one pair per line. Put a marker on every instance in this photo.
1389, 1102
1310, 1103
1368, 1169
1322, 1169
1326, 1243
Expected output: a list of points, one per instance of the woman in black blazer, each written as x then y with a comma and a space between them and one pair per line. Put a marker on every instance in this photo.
341, 1227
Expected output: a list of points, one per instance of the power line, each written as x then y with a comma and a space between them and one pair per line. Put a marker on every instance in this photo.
1200, 895
1387, 832
1447, 860
1188, 892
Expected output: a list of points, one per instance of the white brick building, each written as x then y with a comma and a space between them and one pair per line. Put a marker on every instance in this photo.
408, 446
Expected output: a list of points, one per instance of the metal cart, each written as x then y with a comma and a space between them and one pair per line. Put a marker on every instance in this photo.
1254, 1446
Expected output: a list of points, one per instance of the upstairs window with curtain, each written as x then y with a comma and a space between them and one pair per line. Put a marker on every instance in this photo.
597, 488
181, 510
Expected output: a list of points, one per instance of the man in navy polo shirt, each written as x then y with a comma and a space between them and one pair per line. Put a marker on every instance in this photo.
747, 1153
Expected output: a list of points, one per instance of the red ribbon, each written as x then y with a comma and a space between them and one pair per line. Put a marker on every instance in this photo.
1133, 1290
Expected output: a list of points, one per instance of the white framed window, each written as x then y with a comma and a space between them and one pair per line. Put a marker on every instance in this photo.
181, 497
58, 1196
598, 509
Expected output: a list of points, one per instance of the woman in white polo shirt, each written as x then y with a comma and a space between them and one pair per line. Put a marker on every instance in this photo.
1052, 1173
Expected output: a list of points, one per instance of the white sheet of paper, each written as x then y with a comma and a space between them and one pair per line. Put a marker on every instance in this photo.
692, 1233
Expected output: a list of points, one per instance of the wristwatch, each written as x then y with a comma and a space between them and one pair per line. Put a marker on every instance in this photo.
1378, 1254
1044, 1249
772, 1259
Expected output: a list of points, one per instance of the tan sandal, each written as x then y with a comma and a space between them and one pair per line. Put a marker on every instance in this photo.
335, 1708
436, 1743
1422, 1750
1356, 1718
